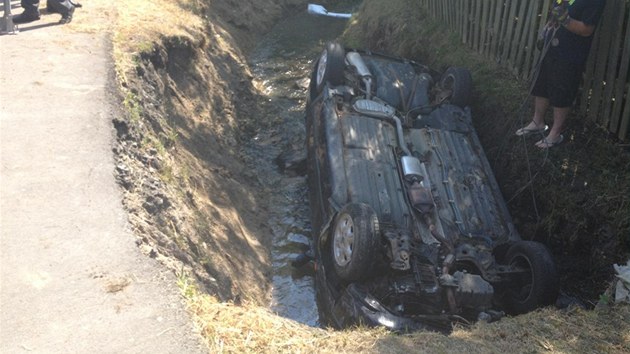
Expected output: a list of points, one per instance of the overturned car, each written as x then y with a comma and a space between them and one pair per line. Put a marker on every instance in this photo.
410, 228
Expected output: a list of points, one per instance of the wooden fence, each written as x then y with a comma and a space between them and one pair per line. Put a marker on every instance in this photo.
506, 30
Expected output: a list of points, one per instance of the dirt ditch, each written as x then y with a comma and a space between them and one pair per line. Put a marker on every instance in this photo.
210, 158
215, 187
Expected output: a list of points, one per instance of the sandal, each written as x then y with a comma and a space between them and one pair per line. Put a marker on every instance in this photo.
526, 130
546, 144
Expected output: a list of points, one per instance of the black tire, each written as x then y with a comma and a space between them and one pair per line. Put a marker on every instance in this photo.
459, 82
538, 286
354, 242
330, 66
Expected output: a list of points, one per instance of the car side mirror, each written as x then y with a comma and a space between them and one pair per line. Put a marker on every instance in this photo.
319, 10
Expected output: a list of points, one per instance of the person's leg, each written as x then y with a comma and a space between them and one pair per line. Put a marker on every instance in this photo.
63, 7
30, 14
540, 91
559, 117
565, 84
555, 134
541, 104
537, 125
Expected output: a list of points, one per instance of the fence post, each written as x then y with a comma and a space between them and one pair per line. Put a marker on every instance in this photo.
6, 22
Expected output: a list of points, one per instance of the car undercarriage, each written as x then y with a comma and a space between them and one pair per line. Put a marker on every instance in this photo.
410, 228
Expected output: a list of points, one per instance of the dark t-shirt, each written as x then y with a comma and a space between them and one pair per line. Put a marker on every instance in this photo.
571, 47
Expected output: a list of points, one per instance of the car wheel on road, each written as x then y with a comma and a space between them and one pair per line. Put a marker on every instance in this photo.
538, 284
355, 241
330, 66
459, 82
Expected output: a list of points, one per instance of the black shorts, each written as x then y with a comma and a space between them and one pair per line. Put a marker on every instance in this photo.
558, 81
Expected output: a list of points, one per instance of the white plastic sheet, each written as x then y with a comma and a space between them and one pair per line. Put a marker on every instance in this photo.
622, 292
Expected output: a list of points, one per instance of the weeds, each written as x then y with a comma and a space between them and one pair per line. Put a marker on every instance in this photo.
132, 107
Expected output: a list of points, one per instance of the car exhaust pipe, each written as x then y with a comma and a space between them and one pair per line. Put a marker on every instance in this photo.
419, 188
354, 59
321, 11
386, 113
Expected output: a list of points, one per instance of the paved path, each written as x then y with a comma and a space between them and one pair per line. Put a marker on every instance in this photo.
71, 277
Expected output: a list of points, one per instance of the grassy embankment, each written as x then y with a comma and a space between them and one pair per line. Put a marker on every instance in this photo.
141, 29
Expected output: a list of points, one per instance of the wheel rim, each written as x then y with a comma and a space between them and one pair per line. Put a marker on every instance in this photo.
525, 280
321, 67
448, 83
343, 240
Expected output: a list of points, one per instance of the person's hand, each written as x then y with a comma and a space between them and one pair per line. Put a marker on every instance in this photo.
560, 14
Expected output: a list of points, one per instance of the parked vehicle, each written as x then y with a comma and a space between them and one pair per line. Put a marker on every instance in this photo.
410, 228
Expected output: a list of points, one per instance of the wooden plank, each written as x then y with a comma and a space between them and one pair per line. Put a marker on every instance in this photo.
625, 122
617, 17
496, 26
455, 15
485, 31
517, 41
533, 51
477, 24
529, 33
544, 13
466, 22
490, 27
447, 13
622, 79
460, 18
452, 11
473, 20
507, 40
606, 29
473, 23
521, 36
588, 75
503, 32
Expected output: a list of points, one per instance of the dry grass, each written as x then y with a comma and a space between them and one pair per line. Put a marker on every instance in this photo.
140, 23
135, 24
248, 328
229, 328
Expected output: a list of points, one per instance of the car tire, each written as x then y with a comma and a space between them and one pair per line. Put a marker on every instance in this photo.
355, 241
538, 286
459, 82
330, 66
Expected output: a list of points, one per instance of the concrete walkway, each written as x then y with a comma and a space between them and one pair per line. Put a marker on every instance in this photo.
71, 277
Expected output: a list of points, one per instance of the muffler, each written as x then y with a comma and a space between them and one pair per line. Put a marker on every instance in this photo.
354, 59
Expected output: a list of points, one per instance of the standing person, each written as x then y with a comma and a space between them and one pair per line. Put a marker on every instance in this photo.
561, 69
31, 10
